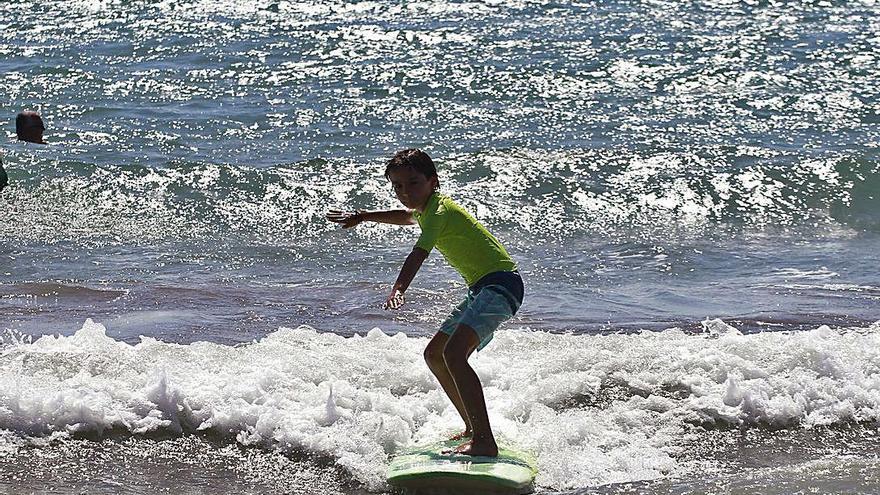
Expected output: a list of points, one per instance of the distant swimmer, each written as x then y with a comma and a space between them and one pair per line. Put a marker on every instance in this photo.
495, 289
4, 179
29, 127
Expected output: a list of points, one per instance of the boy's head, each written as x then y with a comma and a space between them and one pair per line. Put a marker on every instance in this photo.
413, 177
413, 158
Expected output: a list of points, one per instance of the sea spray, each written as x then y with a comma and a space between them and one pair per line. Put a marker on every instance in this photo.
623, 406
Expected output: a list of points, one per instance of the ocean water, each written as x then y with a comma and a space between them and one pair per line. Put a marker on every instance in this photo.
690, 190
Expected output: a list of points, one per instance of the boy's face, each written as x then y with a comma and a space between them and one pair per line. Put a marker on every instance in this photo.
412, 187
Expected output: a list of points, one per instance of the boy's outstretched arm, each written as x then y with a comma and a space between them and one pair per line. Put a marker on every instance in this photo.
349, 220
407, 273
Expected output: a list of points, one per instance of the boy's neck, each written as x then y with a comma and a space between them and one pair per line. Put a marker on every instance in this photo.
421, 209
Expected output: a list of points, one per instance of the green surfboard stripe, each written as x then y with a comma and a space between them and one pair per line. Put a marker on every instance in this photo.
427, 466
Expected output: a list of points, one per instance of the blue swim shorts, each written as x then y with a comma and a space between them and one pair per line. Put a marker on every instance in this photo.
491, 301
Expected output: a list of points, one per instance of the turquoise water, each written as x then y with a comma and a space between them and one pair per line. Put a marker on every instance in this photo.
651, 166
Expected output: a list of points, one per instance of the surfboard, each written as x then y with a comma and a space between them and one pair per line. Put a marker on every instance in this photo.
429, 468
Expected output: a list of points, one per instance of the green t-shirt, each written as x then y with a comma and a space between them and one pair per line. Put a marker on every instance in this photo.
465, 244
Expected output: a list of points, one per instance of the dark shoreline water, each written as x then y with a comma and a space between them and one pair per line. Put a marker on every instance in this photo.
243, 293
838, 460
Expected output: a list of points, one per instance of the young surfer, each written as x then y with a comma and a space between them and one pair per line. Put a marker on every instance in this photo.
495, 289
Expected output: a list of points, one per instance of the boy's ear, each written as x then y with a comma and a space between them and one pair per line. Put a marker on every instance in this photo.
436, 182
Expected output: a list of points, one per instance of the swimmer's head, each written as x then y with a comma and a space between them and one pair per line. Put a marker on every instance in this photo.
29, 127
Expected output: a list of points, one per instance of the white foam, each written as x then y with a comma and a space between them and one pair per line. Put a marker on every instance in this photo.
594, 409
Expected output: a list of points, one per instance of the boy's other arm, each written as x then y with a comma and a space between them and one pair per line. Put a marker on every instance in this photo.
349, 220
407, 274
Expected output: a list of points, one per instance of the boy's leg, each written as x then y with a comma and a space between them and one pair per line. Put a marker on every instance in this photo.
437, 365
458, 348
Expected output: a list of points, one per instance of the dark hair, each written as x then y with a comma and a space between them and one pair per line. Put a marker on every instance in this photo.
25, 120
412, 157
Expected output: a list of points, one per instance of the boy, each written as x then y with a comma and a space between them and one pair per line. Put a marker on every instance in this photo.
495, 289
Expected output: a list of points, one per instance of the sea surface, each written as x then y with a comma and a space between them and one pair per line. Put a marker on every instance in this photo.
691, 191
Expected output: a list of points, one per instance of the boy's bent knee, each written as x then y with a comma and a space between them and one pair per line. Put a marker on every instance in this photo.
434, 358
460, 346
434, 352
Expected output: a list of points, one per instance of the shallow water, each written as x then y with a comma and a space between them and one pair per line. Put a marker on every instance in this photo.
670, 408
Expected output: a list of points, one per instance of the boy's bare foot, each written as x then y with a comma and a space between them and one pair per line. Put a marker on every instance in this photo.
478, 447
461, 436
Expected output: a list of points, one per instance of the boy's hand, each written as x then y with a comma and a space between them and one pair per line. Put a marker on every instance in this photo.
394, 301
347, 219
